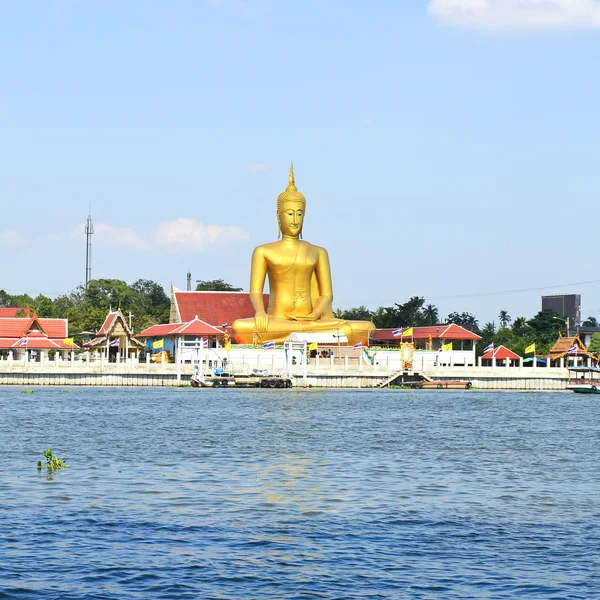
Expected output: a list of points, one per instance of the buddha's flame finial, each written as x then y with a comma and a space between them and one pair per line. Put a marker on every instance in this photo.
291, 183
290, 193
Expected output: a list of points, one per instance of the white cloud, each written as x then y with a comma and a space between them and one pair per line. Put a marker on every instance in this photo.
258, 168
180, 233
518, 14
11, 237
187, 232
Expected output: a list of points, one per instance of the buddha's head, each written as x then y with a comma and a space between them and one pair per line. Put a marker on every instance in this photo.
291, 205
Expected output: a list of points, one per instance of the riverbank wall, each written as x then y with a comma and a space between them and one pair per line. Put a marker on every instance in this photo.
80, 373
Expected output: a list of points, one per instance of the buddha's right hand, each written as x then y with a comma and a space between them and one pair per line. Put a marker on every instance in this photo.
261, 323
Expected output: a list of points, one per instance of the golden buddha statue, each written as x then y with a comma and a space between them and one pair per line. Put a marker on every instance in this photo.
300, 289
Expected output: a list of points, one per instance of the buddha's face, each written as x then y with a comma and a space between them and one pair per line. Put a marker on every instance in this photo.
291, 218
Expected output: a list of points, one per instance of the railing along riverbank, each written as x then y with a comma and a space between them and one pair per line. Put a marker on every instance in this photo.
326, 375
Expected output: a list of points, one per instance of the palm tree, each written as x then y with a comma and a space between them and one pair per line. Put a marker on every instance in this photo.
504, 318
488, 331
431, 315
519, 326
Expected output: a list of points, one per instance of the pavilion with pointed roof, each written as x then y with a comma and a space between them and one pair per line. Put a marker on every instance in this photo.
498, 357
165, 336
115, 339
21, 335
579, 357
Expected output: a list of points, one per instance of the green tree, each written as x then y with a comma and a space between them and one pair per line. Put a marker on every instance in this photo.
589, 322
410, 314
150, 304
504, 318
488, 331
21, 301
5, 298
386, 317
465, 319
594, 347
430, 315
546, 326
362, 313
44, 307
520, 327
215, 285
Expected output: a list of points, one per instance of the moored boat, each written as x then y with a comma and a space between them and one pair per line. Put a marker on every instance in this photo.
258, 378
584, 380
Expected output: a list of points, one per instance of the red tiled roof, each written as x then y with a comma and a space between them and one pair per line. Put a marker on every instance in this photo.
500, 353
16, 327
12, 311
441, 332
193, 327
215, 308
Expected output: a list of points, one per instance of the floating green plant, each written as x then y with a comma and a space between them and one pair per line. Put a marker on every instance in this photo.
27, 392
53, 463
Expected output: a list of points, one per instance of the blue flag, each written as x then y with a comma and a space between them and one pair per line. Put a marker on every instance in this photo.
357, 346
488, 348
269, 346
572, 349
397, 332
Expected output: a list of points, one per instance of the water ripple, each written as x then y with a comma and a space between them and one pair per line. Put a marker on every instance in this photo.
299, 494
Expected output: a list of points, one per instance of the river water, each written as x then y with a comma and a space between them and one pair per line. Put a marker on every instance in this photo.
187, 493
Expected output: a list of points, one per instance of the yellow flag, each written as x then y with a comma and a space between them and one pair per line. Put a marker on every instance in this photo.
447, 347
407, 332
69, 341
227, 345
313, 346
530, 349
158, 344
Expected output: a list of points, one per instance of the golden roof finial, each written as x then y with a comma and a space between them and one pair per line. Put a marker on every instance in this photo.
291, 192
291, 182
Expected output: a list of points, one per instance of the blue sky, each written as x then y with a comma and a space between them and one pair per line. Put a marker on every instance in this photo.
447, 149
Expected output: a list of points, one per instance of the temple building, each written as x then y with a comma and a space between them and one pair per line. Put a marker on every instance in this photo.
433, 337
163, 338
115, 340
563, 349
219, 309
34, 337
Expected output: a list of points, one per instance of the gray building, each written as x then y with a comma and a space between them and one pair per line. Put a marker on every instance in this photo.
566, 305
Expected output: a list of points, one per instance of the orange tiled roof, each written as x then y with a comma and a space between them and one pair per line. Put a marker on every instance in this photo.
562, 344
16, 327
6, 311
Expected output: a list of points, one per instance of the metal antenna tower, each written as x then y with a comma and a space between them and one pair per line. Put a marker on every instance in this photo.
189, 281
89, 231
